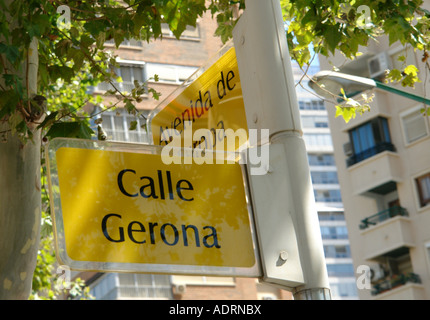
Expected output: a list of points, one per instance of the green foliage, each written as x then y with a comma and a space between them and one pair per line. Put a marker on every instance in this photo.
225, 10
408, 77
47, 284
344, 25
348, 110
338, 24
73, 53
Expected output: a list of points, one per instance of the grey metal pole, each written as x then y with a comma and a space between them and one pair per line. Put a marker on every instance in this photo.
286, 218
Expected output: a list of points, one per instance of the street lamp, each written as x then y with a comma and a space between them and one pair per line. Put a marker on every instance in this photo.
329, 83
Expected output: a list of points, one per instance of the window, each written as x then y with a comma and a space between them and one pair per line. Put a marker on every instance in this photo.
331, 216
427, 246
334, 232
190, 32
104, 288
324, 177
370, 134
203, 280
423, 188
314, 121
317, 139
340, 251
321, 160
127, 43
311, 105
129, 73
348, 289
340, 270
414, 125
116, 125
128, 285
369, 139
144, 285
327, 196
169, 73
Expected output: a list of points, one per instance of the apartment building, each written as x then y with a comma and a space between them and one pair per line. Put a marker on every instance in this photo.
383, 162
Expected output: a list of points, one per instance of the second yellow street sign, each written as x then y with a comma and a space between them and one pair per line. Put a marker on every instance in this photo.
210, 100
118, 207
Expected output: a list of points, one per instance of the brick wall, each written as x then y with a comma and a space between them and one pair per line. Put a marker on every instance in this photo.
243, 289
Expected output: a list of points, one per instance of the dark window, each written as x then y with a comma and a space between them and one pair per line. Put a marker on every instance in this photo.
321, 160
337, 251
423, 187
312, 105
369, 139
327, 196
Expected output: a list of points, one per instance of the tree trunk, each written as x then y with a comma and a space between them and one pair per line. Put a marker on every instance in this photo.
20, 202
20, 216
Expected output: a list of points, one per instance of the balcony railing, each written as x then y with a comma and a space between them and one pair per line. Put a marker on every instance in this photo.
380, 147
382, 216
395, 281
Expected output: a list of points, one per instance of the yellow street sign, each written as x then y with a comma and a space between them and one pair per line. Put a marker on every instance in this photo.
113, 205
213, 101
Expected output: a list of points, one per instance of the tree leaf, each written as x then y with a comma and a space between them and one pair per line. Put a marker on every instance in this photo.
8, 101
347, 113
70, 130
50, 119
332, 36
11, 52
133, 125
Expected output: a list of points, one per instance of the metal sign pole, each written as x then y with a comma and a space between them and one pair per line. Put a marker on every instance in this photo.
286, 219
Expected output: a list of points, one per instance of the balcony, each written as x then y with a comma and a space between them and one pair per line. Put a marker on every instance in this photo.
380, 147
405, 286
389, 237
382, 216
377, 174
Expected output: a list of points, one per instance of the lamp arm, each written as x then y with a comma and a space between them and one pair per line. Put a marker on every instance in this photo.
405, 94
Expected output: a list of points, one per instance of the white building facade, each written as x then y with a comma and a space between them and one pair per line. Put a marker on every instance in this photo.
383, 161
